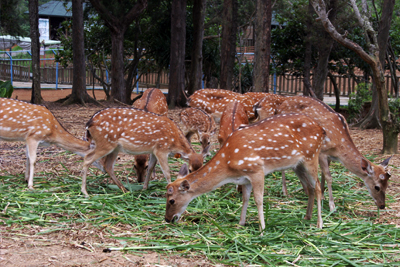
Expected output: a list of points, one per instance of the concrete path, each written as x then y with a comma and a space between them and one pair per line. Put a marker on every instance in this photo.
330, 100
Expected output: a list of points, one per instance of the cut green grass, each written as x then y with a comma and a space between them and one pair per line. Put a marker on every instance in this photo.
210, 225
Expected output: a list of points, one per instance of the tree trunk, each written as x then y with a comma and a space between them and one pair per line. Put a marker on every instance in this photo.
36, 97
117, 66
176, 91
196, 70
308, 54
118, 24
262, 49
324, 47
228, 43
79, 94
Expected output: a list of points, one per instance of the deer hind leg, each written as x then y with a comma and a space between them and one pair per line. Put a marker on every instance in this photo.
326, 175
150, 168
163, 161
308, 173
91, 157
246, 191
109, 167
257, 182
31, 150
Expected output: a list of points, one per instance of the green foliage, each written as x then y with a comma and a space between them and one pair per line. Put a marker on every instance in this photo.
357, 100
6, 89
246, 77
394, 107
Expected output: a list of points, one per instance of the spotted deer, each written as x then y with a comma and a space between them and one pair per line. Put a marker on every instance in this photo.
250, 153
213, 101
152, 100
136, 131
36, 125
266, 106
340, 147
197, 121
233, 116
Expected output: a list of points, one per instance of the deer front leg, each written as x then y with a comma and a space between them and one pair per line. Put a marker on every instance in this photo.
284, 188
326, 175
31, 150
150, 168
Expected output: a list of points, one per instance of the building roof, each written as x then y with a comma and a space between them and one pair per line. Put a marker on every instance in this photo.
56, 9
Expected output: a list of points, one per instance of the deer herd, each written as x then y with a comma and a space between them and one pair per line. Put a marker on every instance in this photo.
259, 133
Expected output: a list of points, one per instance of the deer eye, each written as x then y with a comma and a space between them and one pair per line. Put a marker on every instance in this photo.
377, 188
172, 201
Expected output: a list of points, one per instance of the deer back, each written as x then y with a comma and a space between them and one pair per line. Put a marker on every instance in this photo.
233, 116
21, 121
153, 100
213, 101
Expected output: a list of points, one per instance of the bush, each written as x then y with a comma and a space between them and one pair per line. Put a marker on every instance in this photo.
357, 101
394, 107
246, 77
6, 89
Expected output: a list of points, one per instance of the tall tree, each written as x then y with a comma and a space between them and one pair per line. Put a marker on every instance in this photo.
79, 94
176, 91
262, 49
118, 15
324, 46
372, 57
10, 18
228, 43
196, 69
36, 97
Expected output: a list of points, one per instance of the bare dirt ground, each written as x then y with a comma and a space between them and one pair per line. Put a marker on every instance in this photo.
84, 245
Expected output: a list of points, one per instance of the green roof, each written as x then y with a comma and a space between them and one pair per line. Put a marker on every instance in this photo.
56, 9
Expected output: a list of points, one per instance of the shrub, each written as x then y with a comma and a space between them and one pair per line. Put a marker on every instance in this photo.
6, 89
357, 101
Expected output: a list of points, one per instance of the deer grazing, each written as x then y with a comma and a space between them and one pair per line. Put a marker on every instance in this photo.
213, 101
340, 147
152, 100
136, 131
36, 125
266, 107
197, 121
280, 142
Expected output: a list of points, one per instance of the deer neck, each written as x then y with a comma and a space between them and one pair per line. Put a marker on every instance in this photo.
62, 138
211, 176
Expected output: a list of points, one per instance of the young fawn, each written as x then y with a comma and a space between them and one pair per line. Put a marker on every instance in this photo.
152, 100
35, 125
340, 147
197, 121
250, 153
213, 101
136, 131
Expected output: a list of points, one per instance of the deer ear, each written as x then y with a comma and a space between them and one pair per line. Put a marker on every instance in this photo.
184, 186
181, 155
183, 171
385, 163
366, 166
